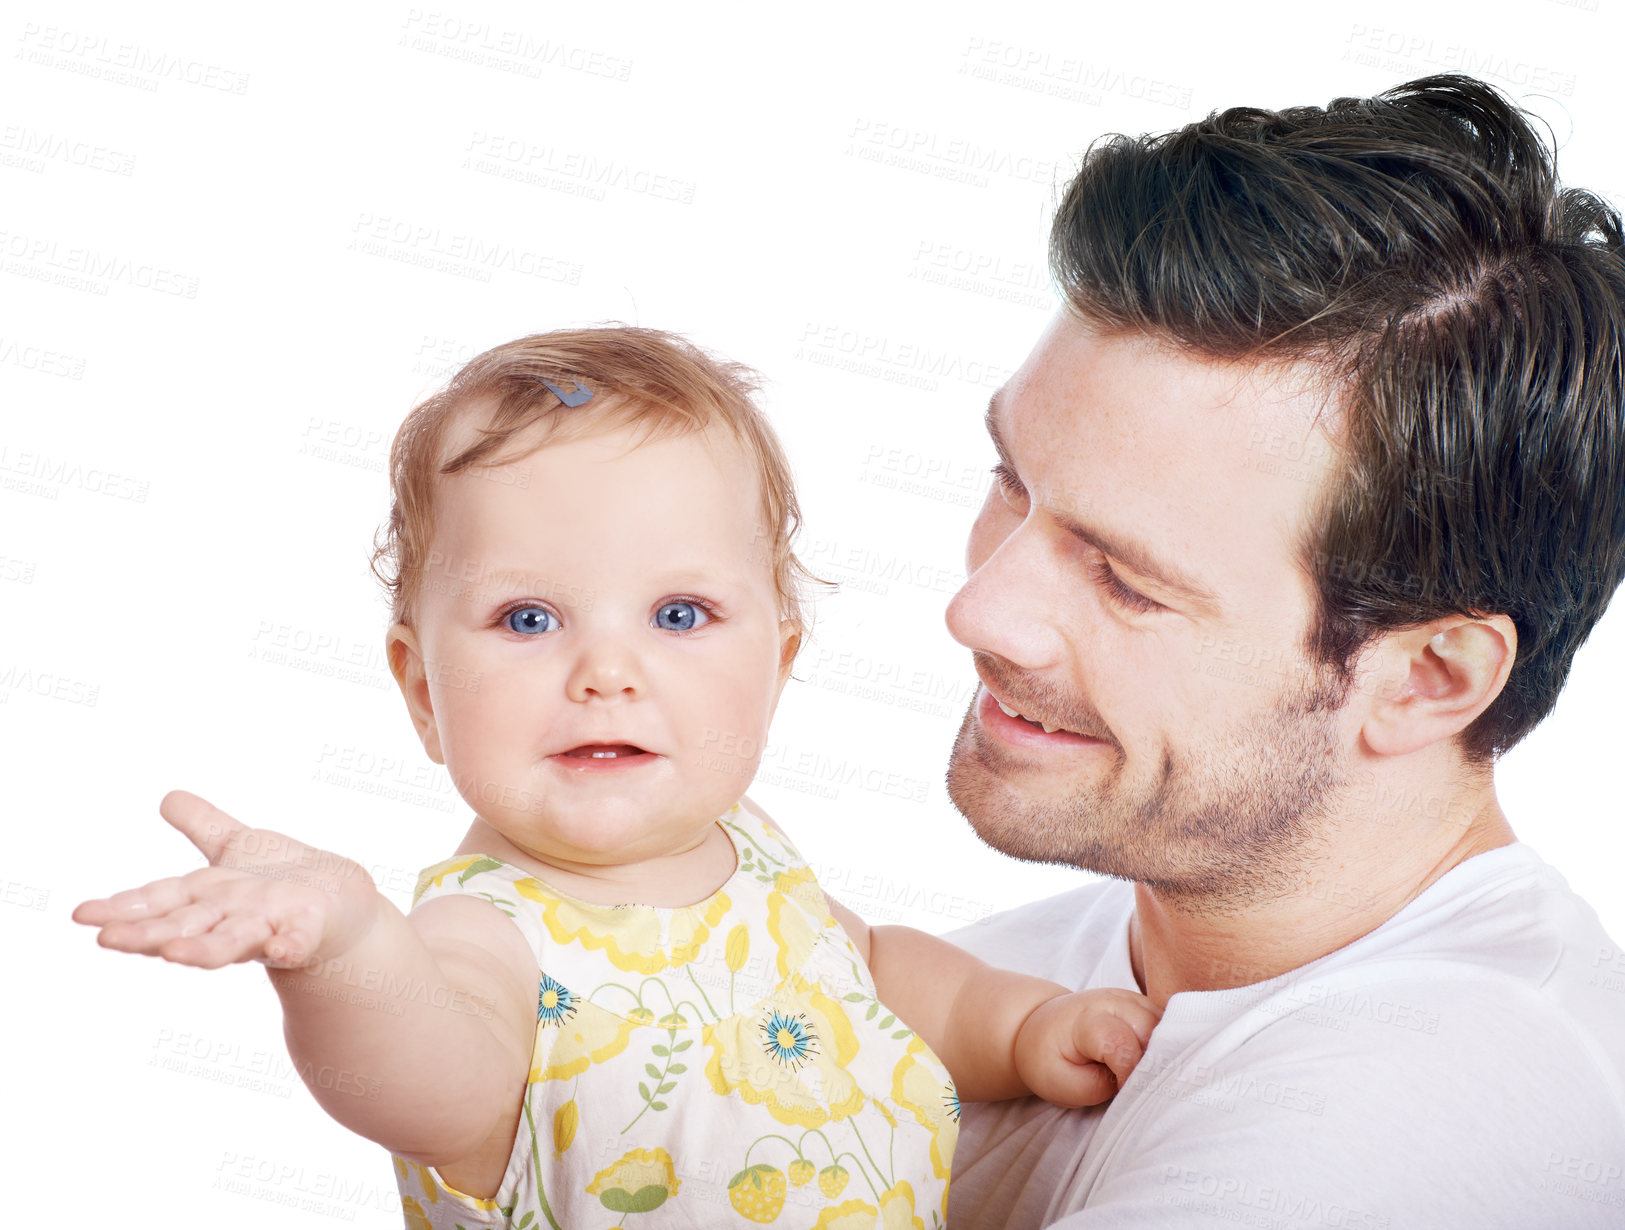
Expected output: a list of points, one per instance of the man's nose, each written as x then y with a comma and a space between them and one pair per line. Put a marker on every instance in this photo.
606, 667
1008, 605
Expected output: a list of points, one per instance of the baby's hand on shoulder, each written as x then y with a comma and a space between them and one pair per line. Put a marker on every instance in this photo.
1078, 1049
263, 897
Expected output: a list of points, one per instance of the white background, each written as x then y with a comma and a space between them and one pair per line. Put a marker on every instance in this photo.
214, 310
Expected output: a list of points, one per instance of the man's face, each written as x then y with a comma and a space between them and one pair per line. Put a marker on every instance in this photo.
1134, 583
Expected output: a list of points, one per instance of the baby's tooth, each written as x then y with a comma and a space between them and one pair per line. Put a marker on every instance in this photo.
1048, 729
1008, 711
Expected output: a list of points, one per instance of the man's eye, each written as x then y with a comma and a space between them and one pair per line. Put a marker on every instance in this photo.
1122, 594
532, 619
680, 617
1009, 485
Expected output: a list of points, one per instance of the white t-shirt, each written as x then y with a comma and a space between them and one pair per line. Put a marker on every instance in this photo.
1463, 1065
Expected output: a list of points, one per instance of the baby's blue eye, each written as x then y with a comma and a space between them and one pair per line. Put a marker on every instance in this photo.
680, 617
529, 619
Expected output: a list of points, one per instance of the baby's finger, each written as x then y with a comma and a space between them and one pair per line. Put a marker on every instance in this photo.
1085, 1084
290, 947
204, 825
237, 938
1108, 1039
149, 935
1137, 1013
153, 900
135, 904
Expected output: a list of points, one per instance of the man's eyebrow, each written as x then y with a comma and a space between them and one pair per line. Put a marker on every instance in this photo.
1137, 556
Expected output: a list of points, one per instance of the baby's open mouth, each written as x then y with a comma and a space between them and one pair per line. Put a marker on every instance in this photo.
603, 751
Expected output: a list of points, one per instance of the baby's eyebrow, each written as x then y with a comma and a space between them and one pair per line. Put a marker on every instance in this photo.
509, 578
500, 581
715, 578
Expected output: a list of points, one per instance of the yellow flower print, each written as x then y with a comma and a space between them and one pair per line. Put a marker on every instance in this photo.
436, 874
792, 931
919, 1084
640, 1181
737, 950
565, 1121
897, 1209
404, 1168
850, 1215
415, 1218
630, 937
757, 1192
591, 1036
802, 885
800, 1073
796, 914
771, 828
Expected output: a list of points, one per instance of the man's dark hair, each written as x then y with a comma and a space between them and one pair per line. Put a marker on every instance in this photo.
1467, 312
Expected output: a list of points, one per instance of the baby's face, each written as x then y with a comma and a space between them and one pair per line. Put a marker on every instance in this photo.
601, 643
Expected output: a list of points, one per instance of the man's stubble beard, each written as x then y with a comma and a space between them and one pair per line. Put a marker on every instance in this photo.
1227, 823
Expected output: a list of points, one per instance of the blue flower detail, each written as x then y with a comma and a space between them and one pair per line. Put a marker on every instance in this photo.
555, 1002
789, 1040
950, 1101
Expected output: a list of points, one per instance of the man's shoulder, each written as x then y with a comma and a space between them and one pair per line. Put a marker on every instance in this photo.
1505, 924
1064, 938
1487, 967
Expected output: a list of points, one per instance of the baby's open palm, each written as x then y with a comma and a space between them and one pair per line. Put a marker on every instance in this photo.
263, 897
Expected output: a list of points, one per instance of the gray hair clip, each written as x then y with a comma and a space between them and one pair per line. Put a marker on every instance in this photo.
580, 397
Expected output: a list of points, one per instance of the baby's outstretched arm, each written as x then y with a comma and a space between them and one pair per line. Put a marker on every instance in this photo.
408, 1032
1003, 1034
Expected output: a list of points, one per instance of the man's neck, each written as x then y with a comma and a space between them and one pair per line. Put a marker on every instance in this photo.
1351, 887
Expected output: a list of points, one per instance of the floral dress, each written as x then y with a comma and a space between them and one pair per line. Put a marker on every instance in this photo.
719, 1064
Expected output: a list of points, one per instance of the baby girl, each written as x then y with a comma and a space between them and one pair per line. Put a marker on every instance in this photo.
624, 990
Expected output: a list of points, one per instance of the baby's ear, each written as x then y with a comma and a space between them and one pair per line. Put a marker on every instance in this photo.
789, 646
406, 664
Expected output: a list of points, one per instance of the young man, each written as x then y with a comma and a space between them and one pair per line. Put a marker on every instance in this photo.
1305, 504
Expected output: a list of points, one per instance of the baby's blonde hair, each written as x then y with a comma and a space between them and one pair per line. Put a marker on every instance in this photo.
644, 377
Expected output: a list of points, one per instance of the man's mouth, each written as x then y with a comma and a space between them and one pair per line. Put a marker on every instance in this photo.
1012, 725
1009, 712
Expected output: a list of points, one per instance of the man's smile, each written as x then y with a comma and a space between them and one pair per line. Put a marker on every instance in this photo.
1008, 724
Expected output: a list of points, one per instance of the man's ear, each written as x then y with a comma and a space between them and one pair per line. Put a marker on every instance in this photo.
406, 664
1431, 681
